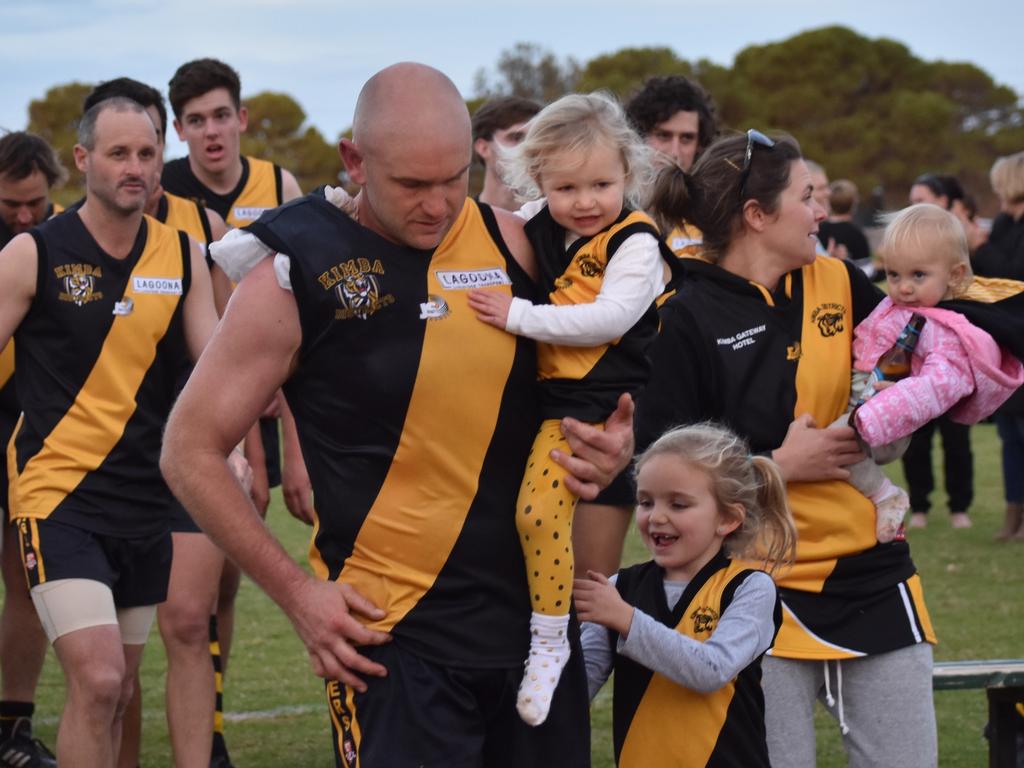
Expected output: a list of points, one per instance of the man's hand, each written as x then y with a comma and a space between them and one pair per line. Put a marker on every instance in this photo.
491, 307
322, 613
808, 454
297, 489
598, 455
597, 600
240, 469
295, 483
259, 487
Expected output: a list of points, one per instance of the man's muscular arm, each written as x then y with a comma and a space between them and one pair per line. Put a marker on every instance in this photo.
249, 356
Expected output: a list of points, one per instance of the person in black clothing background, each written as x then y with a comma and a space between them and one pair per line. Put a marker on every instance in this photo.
958, 461
1002, 255
840, 228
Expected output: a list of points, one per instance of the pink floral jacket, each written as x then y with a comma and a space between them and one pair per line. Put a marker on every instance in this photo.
956, 368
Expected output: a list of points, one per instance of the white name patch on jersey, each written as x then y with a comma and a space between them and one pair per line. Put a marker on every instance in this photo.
247, 213
162, 285
455, 280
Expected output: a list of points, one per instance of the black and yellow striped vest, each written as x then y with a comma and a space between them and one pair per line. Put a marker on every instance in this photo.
415, 419
96, 360
586, 382
259, 189
657, 722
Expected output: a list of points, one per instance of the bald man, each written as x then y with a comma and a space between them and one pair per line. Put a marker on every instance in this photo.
416, 420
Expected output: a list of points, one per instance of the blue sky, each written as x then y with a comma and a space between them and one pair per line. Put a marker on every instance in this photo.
321, 51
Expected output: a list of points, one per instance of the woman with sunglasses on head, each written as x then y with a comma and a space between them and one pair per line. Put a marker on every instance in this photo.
759, 336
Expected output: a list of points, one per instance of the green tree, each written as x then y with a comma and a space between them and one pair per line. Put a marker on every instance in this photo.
871, 111
625, 70
55, 118
529, 71
276, 133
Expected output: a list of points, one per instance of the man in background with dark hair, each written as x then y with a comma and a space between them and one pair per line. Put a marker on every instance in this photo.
499, 123
29, 169
675, 116
205, 96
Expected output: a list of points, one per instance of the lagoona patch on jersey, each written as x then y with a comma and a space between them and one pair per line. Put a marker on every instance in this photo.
463, 279
678, 243
168, 286
79, 281
247, 212
829, 318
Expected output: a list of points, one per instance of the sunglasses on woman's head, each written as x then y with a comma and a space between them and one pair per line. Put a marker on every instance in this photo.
754, 137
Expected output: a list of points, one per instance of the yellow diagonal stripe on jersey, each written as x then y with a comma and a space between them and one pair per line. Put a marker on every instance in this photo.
419, 512
94, 423
6, 363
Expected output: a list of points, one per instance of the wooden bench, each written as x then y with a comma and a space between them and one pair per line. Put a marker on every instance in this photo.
1003, 681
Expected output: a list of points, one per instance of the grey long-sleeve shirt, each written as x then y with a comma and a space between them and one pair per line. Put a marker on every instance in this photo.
744, 632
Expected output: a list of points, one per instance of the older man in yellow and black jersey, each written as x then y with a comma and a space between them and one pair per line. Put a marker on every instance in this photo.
102, 303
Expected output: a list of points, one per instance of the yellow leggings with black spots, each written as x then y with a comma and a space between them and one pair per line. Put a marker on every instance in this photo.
544, 520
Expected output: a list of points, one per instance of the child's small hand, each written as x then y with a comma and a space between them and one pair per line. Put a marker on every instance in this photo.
598, 601
491, 307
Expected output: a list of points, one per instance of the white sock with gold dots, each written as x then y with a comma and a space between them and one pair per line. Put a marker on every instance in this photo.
549, 653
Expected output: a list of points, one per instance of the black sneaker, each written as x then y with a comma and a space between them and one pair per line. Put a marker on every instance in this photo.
23, 751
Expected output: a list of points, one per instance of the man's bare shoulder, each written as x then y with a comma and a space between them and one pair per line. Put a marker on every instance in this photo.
514, 235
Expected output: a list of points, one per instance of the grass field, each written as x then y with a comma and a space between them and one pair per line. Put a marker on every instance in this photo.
277, 715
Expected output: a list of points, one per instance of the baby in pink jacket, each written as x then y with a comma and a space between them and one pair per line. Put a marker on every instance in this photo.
957, 368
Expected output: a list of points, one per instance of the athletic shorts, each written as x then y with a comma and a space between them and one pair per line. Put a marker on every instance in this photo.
431, 716
621, 492
180, 520
137, 570
272, 450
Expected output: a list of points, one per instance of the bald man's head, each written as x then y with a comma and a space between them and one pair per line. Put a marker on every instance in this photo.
410, 152
409, 98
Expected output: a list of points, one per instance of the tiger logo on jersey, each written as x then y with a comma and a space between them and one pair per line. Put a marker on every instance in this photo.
79, 281
359, 295
704, 620
829, 319
589, 266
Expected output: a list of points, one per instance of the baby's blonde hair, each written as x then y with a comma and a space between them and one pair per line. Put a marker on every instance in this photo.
925, 226
754, 483
577, 123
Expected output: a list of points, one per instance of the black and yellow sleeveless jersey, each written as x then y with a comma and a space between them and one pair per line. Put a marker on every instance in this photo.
415, 419
586, 382
96, 361
730, 350
186, 215
685, 241
656, 721
259, 189
9, 408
